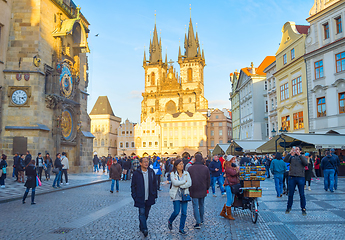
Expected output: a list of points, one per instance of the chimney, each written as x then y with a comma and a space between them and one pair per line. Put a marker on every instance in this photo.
253, 69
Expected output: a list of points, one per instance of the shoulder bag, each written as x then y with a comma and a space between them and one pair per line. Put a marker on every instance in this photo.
56, 170
185, 197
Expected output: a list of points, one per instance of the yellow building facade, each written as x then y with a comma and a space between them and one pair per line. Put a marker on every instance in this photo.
174, 102
291, 82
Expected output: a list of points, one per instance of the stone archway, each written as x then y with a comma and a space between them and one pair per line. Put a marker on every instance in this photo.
170, 107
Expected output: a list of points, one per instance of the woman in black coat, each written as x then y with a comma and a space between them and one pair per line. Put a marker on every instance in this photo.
308, 171
31, 174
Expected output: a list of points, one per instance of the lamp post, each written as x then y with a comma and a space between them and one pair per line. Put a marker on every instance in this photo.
281, 130
274, 132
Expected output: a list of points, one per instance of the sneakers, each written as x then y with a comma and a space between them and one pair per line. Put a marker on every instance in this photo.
183, 232
309, 188
111, 191
214, 195
2, 186
197, 226
169, 225
304, 212
67, 183
224, 194
288, 210
145, 232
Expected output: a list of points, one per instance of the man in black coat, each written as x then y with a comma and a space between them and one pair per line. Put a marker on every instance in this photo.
144, 192
200, 176
15, 163
28, 158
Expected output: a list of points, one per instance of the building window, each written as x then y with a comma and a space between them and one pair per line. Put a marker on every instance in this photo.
190, 75
212, 124
165, 144
286, 123
121, 144
284, 59
220, 124
150, 144
339, 26
265, 85
212, 143
127, 145
284, 91
292, 54
212, 133
217, 116
171, 145
326, 30
201, 143
298, 120
296, 86
266, 106
272, 104
321, 107
340, 59
341, 102
102, 143
152, 110
156, 144
95, 143
318, 69
132, 144
144, 144
220, 132
153, 80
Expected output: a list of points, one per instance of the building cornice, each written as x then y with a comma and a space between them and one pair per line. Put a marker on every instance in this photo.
324, 48
295, 62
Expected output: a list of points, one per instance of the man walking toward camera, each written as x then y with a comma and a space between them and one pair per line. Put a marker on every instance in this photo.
216, 176
144, 192
296, 177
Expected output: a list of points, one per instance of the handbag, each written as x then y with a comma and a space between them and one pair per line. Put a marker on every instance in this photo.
185, 197
235, 189
38, 181
56, 170
306, 168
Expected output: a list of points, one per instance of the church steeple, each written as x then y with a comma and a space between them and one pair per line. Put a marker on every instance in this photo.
191, 43
155, 48
144, 60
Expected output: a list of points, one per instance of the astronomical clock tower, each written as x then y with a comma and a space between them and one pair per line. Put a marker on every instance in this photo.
44, 103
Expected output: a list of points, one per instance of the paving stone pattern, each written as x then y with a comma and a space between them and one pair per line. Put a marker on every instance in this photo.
92, 212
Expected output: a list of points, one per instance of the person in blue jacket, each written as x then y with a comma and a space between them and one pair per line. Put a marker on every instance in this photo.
216, 176
157, 168
278, 169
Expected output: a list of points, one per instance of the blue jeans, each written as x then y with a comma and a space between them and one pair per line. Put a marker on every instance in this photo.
335, 180
220, 183
112, 185
267, 174
328, 179
229, 196
293, 181
177, 206
57, 179
143, 215
95, 167
198, 209
278, 180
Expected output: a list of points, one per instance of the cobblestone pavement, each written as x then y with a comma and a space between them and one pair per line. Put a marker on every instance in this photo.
92, 212
14, 190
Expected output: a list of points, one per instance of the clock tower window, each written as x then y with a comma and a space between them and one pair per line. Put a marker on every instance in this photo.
190, 75
153, 82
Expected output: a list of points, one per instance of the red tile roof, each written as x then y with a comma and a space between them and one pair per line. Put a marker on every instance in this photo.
260, 70
302, 29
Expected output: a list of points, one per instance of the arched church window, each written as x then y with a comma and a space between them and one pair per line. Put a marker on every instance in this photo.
190, 75
152, 110
153, 80
102, 143
190, 100
170, 107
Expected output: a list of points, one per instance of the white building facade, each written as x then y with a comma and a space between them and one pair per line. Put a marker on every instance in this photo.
325, 59
271, 99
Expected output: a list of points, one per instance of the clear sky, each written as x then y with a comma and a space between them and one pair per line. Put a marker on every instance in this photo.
232, 33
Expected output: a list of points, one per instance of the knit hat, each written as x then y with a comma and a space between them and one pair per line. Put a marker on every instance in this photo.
229, 157
95, 153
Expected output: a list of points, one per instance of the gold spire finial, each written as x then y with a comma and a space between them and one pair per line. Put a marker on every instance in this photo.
155, 16
190, 10
78, 12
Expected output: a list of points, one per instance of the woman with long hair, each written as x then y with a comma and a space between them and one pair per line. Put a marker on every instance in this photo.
231, 179
180, 182
31, 174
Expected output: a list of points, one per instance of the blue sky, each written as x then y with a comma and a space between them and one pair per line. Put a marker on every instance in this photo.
232, 33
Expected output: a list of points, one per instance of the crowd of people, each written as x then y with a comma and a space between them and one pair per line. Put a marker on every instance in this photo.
25, 165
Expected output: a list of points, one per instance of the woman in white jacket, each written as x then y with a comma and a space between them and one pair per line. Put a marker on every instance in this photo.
180, 182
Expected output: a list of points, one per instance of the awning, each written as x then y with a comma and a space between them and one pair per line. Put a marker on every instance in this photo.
220, 149
249, 146
305, 140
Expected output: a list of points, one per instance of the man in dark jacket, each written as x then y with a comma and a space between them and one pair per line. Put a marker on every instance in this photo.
200, 176
328, 165
28, 158
245, 160
15, 163
126, 165
144, 192
337, 164
58, 165
216, 176
296, 177
95, 162
115, 175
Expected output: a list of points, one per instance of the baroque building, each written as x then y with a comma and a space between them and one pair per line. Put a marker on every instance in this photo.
271, 99
126, 139
45, 82
291, 82
249, 102
176, 102
219, 128
104, 126
325, 60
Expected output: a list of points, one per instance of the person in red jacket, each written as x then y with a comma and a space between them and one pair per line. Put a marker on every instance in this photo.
222, 160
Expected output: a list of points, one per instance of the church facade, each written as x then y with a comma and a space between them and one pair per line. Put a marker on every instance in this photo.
174, 101
44, 98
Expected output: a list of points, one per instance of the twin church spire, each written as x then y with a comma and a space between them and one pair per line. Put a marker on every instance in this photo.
191, 46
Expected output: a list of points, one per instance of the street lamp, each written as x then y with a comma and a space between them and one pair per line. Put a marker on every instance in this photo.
274, 132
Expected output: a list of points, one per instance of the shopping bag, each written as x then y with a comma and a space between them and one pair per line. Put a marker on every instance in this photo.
38, 181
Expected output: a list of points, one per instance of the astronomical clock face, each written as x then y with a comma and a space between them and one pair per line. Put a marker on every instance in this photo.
66, 81
67, 124
19, 97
